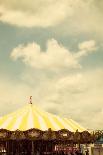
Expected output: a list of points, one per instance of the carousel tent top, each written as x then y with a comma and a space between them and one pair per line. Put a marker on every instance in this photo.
30, 117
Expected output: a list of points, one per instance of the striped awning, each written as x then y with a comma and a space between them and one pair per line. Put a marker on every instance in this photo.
32, 117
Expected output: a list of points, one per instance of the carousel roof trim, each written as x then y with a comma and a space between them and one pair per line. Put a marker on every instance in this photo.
31, 116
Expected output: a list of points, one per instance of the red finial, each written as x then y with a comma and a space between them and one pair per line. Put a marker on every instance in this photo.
30, 100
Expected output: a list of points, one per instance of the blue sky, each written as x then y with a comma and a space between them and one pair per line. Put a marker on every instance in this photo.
54, 53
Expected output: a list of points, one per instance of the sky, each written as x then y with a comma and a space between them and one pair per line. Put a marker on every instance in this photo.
52, 50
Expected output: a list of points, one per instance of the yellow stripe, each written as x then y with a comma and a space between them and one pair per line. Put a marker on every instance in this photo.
79, 127
75, 127
46, 119
13, 121
70, 124
48, 123
55, 119
58, 122
3, 120
23, 125
35, 120
24, 115
14, 113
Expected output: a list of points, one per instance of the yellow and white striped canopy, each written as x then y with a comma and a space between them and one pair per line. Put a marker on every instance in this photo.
32, 117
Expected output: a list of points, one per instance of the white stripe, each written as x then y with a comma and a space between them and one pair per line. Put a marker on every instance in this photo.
66, 126
50, 118
56, 126
5, 124
43, 125
82, 129
18, 122
30, 123
72, 124
32, 111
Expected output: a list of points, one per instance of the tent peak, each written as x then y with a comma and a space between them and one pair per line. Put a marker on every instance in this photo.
30, 100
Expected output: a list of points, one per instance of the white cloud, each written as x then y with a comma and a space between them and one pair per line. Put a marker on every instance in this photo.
66, 17
71, 81
78, 95
9, 100
31, 13
56, 55
86, 47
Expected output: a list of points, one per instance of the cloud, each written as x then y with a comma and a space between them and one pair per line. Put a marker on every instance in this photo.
31, 13
9, 100
74, 94
86, 47
77, 96
70, 82
56, 55
47, 13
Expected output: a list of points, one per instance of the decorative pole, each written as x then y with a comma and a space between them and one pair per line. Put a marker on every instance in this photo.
30, 100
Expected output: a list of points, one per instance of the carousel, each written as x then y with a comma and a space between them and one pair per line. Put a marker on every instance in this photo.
31, 131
